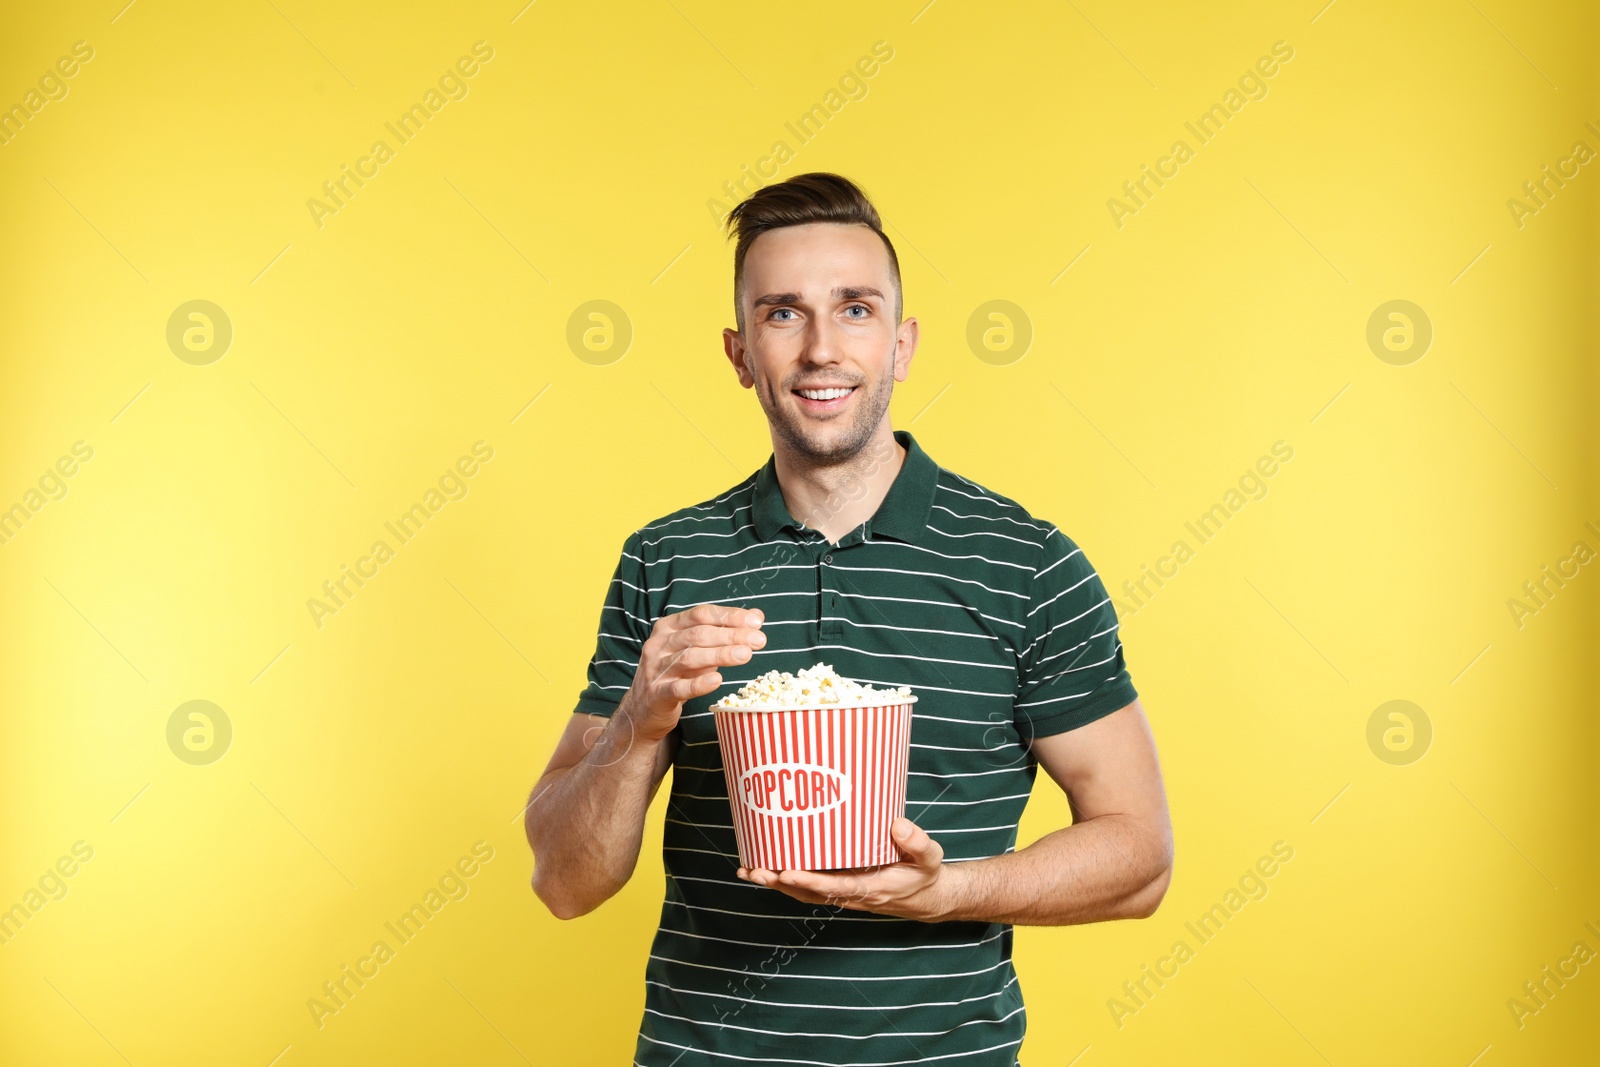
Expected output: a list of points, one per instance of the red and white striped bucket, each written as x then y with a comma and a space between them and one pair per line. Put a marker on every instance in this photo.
816, 789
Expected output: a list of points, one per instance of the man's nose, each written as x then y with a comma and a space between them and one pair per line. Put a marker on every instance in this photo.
822, 342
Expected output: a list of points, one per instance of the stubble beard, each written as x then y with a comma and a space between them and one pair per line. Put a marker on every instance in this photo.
812, 451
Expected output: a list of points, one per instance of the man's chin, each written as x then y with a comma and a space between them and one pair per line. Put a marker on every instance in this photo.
824, 444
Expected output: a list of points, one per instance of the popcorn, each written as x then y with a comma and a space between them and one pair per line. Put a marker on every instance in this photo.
817, 686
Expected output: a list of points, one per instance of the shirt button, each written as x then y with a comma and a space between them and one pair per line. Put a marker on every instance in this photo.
828, 558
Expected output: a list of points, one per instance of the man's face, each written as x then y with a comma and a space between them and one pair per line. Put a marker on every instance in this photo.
820, 345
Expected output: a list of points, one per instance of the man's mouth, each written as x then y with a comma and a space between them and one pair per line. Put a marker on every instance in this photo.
824, 399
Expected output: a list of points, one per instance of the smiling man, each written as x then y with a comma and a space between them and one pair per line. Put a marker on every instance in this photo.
851, 546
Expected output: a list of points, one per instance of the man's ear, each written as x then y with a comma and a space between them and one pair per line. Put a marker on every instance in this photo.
733, 345
905, 346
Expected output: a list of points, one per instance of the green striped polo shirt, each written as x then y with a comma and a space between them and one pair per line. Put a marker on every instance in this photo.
1002, 629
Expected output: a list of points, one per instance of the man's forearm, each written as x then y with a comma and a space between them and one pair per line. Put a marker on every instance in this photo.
585, 823
1110, 867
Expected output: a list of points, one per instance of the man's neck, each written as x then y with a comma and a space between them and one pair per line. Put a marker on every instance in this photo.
834, 499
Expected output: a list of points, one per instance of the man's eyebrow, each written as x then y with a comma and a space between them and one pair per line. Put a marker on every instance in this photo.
847, 292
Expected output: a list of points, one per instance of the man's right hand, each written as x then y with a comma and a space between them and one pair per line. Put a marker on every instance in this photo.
679, 662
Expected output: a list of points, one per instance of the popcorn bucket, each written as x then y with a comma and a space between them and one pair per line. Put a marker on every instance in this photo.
816, 789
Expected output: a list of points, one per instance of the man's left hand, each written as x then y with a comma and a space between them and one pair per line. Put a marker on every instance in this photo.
919, 887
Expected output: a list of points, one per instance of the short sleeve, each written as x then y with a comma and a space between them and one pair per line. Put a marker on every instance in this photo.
624, 625
1071, 670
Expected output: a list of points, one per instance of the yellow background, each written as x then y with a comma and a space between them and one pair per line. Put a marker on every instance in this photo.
368, 354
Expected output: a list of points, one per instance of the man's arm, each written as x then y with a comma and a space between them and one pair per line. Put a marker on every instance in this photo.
1113, 862
585, 818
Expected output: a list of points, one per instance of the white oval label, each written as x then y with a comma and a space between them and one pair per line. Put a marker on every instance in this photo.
792, 789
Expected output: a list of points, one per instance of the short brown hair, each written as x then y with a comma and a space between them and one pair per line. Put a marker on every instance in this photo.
815, 197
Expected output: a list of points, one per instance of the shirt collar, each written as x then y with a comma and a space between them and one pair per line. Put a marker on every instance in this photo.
903, 514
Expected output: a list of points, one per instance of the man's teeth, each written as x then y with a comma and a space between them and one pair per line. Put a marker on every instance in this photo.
824, 394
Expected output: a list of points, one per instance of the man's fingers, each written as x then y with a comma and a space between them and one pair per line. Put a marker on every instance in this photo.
685, 649
687, 661
919, 848
699, 685
706, 635
714, 615
693, 660
785, 882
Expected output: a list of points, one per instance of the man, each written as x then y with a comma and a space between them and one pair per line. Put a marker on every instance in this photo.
898, 572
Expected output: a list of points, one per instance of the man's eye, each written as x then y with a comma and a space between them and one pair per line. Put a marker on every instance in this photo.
859, 307
779, 311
